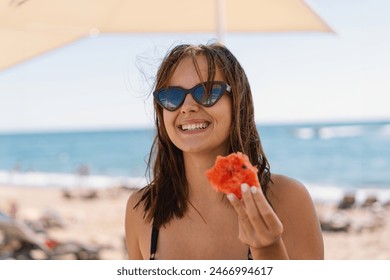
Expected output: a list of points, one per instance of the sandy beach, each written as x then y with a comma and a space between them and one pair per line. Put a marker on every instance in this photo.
96, 218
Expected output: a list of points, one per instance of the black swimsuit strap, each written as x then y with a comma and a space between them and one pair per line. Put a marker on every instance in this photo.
153, 245
249, 254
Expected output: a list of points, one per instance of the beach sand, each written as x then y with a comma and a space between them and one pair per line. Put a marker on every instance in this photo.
99, 220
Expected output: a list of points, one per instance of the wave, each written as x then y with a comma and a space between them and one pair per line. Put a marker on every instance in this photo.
385, 130
63, 180
340, 131
330, 132
334, 194
305, 133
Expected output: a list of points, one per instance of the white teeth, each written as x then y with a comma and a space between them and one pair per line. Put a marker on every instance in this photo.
195, 126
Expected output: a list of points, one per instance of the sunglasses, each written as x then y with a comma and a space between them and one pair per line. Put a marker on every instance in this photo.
206, 94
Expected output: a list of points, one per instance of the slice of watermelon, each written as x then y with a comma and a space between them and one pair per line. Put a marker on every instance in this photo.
228, 173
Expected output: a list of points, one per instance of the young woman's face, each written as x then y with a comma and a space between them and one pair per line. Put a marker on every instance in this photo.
194, 128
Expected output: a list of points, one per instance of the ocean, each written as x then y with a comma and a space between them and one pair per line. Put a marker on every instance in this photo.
330, 159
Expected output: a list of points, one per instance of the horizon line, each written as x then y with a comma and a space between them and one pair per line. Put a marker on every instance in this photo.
141, 127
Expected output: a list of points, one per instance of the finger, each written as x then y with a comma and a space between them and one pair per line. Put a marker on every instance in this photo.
237, 205
241, 212
268, 215
251, 209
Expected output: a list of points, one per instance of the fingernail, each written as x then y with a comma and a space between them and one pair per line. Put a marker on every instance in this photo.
230, 196
254, 190
244, 187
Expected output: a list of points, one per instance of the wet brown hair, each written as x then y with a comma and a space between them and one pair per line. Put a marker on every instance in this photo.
166, 196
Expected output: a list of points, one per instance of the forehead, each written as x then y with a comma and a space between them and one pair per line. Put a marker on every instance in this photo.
186, 74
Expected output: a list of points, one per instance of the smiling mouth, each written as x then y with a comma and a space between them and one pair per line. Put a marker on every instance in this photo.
194, 126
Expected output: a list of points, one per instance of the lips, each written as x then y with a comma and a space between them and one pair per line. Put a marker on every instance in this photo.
194, 126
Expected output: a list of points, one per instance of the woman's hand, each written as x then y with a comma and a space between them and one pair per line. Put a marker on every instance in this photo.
259, 226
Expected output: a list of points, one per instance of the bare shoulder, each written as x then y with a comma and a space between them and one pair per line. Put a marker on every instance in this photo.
289, 196
286, 189
134, 225
133, 200
135, 210
294, 207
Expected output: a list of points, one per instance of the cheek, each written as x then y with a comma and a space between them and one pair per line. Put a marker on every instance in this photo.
227, 124
169, 121
224, 112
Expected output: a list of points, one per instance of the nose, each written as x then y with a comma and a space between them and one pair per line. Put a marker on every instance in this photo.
189, 105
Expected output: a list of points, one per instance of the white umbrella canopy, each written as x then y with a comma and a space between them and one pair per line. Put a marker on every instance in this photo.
31, 27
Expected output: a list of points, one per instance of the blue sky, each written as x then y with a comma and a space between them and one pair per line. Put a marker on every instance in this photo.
103, 82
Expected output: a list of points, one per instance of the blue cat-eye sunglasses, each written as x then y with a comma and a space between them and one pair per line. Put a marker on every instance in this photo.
206, 94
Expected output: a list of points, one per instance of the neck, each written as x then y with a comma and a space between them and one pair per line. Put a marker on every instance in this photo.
200, 189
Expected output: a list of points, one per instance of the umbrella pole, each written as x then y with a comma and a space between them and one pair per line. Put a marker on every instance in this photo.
220, 20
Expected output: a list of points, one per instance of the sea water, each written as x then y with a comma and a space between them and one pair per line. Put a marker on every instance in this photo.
330, 159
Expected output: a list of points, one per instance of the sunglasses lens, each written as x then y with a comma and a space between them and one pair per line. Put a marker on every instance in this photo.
208, 94
171, 98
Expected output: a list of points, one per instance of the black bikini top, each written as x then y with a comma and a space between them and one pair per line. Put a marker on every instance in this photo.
153, 245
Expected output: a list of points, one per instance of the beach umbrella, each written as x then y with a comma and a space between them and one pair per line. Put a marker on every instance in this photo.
31, 27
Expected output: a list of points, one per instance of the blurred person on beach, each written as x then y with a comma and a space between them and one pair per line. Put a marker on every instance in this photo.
178, 215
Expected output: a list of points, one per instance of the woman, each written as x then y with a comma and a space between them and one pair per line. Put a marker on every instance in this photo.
204, 108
